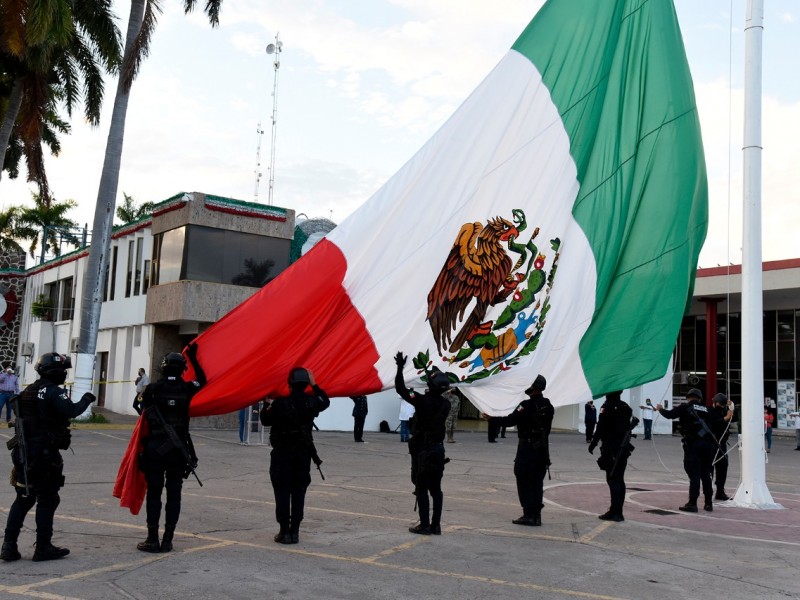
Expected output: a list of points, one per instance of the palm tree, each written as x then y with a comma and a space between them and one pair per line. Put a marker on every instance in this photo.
10, 230
141, 25
47, 219
49, 50
130, 212
255, 274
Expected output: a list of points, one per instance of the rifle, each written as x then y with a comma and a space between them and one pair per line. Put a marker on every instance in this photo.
19, 425
314, 456
174, 441
626, 440
704, 428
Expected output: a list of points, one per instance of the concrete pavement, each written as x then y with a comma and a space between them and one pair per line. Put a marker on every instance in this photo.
354, 543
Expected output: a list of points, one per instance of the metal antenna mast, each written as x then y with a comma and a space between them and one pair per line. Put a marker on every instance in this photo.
259, 133
275, 49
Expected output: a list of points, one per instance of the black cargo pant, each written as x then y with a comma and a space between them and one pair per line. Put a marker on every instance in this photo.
530, 467
45, 479
290, 474
160, 471
427, 470
698, 456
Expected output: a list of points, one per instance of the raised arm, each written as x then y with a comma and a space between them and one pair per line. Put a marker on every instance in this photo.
191, 352
399, 382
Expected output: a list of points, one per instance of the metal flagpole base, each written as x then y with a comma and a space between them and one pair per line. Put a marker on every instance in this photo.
755, 496
84, 370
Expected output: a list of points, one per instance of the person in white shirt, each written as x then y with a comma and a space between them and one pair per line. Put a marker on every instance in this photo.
406, 412
647, 419
796, 416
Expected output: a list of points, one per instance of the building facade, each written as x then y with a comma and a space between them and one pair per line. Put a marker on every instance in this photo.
708, 353
169, 277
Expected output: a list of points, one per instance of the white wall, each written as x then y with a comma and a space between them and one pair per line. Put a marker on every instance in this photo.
383, 406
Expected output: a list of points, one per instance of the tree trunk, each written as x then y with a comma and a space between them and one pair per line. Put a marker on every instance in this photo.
14, 103
92, 296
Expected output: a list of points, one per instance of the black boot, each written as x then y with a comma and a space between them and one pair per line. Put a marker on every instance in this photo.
420, 529
690, 506
525, 519
46, 551
611, 515
10, 551
151, 543
709, 505
166, 541
294, 533
721, 495
283, 536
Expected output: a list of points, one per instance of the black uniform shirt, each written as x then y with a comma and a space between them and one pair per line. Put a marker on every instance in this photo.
431, 411
533, 417
613, 424
291, 417
695, 420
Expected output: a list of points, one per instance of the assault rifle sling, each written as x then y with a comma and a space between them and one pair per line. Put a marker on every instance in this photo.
175, 441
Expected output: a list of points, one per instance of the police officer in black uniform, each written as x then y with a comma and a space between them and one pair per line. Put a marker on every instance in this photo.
722, 409
163, 459
697, 424
426, 445
533, 418
613, 432
291, 419
44, 409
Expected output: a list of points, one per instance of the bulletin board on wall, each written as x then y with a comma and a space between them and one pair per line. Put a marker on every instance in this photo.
786, 404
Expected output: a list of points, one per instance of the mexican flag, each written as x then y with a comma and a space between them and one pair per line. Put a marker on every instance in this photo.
552, 226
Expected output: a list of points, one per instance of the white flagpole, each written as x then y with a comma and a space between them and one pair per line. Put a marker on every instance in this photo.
753, 491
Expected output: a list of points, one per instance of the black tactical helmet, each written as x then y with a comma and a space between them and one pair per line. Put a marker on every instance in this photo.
438, 381
694, 393
539, 385
173, 364
53, 362
720, 398
299, 376
614, 396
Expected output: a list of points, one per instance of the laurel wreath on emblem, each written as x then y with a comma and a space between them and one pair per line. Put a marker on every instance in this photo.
479, 273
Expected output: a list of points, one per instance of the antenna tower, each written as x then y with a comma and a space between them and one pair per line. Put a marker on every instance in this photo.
275, 49
259, 133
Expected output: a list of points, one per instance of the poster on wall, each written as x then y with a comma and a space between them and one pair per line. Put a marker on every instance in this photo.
785, 403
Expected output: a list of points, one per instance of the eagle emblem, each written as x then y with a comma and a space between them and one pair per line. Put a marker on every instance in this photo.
485, 309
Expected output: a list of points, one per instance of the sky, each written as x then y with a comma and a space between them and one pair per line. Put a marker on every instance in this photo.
363, 84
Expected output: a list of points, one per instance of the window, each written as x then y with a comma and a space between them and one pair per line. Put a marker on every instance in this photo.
137, 284
170, 258
248, 259
67, 301
199, 253
113, 285
146, 277
129, 276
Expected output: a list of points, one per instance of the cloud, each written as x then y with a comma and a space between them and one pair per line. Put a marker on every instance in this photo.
780, 195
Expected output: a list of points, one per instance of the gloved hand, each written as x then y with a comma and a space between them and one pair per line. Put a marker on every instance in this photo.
400, 359
191, 349
89, 396
592, 446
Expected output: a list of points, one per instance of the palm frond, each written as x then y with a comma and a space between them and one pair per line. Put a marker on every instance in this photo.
140, 49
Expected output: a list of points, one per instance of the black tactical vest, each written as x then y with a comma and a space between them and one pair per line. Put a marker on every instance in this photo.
172, 399
42, 424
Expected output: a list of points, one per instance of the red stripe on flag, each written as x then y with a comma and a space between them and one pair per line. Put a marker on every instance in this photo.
304, 317
130, 486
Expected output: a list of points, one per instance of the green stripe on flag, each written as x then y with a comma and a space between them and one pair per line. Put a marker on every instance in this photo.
618, 74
